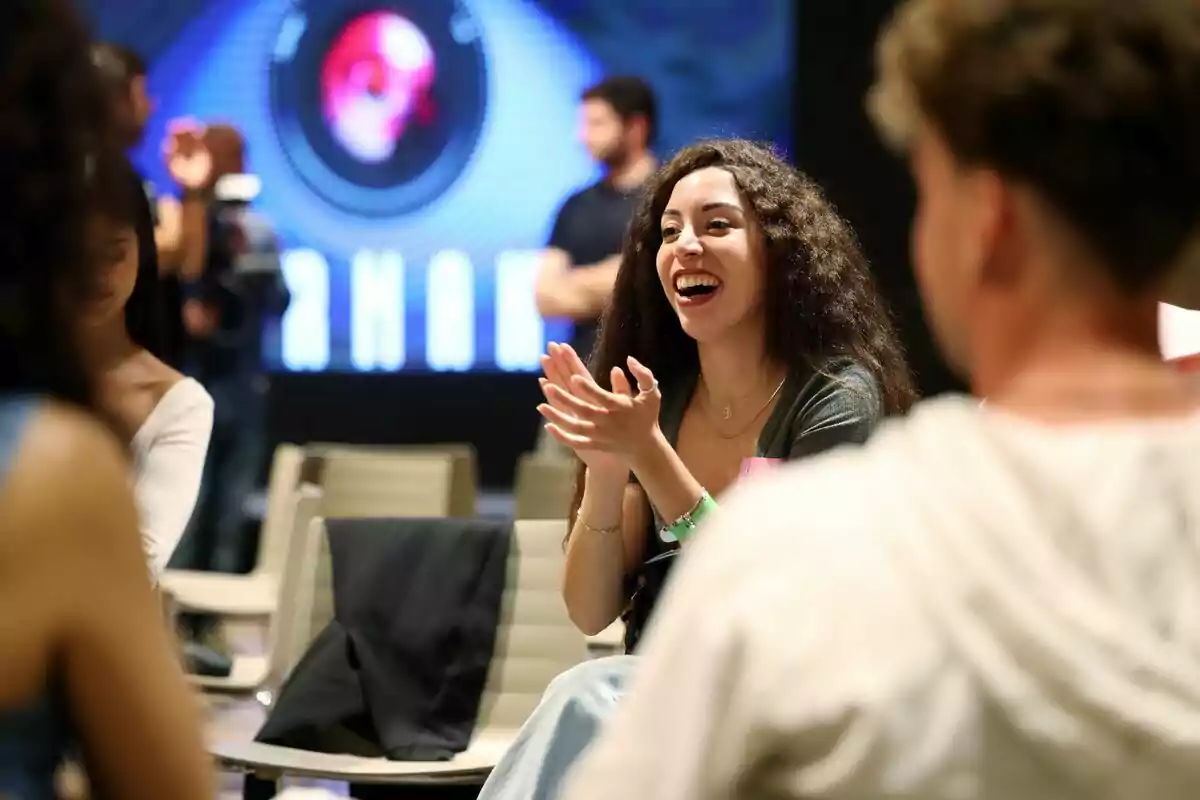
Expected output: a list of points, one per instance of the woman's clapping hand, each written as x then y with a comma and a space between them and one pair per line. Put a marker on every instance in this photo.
606, 429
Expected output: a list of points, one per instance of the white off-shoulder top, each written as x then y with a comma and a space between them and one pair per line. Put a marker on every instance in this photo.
168, 462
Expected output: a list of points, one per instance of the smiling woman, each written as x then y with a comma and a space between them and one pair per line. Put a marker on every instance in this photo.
745, 293
706, 218
752, 333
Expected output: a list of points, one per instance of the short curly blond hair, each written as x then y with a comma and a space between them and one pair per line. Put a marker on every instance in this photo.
1094, 103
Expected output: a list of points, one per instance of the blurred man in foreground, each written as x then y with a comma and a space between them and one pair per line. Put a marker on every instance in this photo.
978, 603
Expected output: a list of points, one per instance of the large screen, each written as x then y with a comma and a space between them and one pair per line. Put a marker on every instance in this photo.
413, 153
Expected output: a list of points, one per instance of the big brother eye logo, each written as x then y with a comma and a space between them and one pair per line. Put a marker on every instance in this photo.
379, 105
376, 82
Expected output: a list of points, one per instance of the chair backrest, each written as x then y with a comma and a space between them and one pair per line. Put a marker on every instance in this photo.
285, 637
312, 604
286, 467
544, 486
464, 468
536, 640
370, 483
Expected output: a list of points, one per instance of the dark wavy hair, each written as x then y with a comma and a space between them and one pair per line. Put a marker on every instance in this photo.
57, 166
146, 309
820, 300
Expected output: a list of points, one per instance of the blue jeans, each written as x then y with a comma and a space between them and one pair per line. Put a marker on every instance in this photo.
572, 713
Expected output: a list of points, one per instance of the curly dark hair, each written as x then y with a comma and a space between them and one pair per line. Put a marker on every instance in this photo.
820, 299
57, 167
1095, 105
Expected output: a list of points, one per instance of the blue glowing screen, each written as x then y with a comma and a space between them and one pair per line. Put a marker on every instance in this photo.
413, 153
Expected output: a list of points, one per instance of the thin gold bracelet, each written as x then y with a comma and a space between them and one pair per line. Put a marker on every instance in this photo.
603, 531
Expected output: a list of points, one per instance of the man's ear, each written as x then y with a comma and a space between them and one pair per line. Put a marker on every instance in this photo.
994, 217
639, 127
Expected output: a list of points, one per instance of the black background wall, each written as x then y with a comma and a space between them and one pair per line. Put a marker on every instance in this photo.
495, 412
836, 144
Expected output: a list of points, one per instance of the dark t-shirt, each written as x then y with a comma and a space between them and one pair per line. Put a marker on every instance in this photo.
841, 403
590, 227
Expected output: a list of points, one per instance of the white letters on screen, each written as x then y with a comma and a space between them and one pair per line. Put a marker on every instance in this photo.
377, 310
450, 312
520, 333
305, 326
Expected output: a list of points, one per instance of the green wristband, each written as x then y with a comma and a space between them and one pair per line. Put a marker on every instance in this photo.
682, 528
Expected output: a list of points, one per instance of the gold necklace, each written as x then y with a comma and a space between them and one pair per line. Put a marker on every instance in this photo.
727, 412
727, 409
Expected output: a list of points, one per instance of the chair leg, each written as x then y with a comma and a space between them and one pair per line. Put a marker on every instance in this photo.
256, 788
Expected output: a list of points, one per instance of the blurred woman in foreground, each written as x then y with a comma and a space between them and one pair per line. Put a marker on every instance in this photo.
87, 661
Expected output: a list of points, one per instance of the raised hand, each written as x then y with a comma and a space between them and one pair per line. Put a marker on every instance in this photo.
188, 159
605, 428
560, 364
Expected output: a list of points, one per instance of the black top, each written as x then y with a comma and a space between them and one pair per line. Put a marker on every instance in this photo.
839, 404
590, 227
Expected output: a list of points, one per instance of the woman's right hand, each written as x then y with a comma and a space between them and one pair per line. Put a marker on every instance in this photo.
559, 364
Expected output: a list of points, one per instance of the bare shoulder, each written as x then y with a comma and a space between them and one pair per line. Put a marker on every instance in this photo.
163, 379
157, 376
164, 372
64, 439
69, 471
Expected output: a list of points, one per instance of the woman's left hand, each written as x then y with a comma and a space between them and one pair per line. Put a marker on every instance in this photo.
188, 158
584, 416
